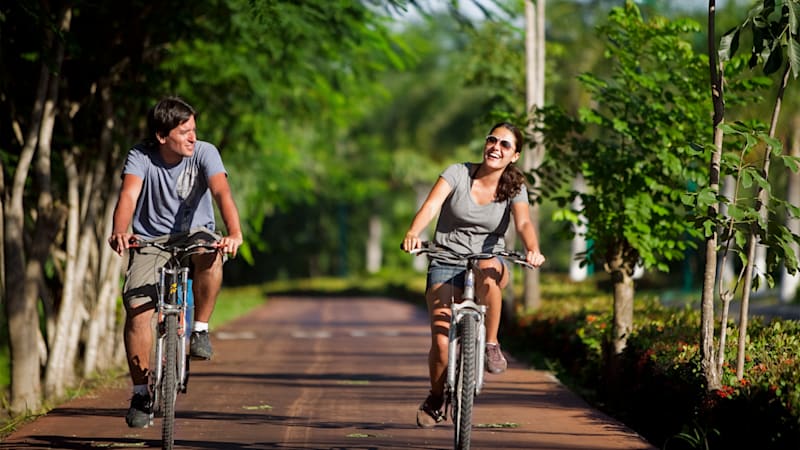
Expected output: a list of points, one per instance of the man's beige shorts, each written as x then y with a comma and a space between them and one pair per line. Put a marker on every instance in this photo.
140, 290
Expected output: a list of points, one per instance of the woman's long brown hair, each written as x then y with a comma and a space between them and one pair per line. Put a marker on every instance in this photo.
512, 178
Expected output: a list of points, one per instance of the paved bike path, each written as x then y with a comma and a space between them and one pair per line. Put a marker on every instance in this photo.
330, 373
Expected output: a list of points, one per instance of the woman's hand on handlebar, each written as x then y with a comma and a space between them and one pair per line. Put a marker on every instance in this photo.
411, 242
534, 258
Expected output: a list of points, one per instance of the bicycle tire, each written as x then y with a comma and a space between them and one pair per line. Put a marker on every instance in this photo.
465, 381
169, 384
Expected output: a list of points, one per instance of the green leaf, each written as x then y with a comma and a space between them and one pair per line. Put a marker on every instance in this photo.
793, 51
729, 44
747, 179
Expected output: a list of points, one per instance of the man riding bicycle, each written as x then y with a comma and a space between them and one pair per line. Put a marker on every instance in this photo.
168, 184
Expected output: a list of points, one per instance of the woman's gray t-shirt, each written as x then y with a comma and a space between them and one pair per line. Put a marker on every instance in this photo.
467, 227
174, 198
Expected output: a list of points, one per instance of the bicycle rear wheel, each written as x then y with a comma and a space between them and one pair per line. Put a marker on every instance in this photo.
465, 381
169, 383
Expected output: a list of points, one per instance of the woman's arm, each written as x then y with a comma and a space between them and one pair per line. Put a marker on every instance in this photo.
429, 209
526, 231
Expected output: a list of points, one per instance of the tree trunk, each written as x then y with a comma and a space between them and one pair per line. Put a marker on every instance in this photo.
21, 313
620, 265
24, 267
753, 239
59, 372
578, 269
532, 290
374, 252
725, 271
707, 350
103, 344
534, 154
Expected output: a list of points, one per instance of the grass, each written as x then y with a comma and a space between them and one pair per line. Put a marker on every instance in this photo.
235, 302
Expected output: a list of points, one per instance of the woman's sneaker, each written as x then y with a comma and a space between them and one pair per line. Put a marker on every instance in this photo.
430, 412
495, 361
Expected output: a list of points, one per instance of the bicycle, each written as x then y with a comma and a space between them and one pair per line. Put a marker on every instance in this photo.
466, 351
173, 314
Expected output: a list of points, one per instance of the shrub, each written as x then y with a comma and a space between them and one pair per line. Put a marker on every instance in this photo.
663, 394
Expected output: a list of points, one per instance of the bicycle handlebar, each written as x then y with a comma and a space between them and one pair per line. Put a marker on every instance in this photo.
175, 249
513, 256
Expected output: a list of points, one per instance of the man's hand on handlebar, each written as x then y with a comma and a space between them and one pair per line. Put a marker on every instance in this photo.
121, 241
229, 245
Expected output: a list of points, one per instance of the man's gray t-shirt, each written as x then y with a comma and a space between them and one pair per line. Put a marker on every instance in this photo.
467, 227
174, 199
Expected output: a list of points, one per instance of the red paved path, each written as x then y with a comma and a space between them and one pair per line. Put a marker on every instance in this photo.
302, 373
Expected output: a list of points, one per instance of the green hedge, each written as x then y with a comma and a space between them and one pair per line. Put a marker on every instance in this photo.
660, 391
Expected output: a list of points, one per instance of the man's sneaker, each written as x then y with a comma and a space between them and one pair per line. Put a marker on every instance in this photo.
495, 361
139, 413
200, 345
430, 412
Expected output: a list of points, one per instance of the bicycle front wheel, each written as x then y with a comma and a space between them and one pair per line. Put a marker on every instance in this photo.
465, 381
169, 384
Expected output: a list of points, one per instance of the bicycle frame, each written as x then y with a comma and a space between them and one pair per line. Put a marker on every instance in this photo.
466, 352
172, 300
458, 311
169, 358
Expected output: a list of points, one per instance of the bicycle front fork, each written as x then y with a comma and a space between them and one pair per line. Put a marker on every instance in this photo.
458, 311
172, 300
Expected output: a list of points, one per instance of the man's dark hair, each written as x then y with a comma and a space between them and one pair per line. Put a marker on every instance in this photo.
166, 115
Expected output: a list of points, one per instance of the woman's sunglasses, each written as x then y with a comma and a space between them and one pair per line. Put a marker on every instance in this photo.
506, 144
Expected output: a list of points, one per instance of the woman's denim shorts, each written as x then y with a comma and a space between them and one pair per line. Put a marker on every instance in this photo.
443, 273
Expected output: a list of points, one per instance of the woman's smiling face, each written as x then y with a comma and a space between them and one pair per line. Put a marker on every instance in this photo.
500, 149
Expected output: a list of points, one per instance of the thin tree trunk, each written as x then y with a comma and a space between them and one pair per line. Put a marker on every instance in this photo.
725, 271
707, 351
20, 301
578, 269
59, 373
111, 351
374, 251
535, 57
763, 197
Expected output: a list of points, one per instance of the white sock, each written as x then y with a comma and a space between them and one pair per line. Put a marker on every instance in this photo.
140, 389
200, 326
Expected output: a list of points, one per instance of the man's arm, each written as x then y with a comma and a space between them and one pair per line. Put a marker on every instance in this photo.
221, 191
123, 213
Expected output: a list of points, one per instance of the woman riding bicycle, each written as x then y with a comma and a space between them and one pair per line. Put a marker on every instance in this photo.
474, 203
